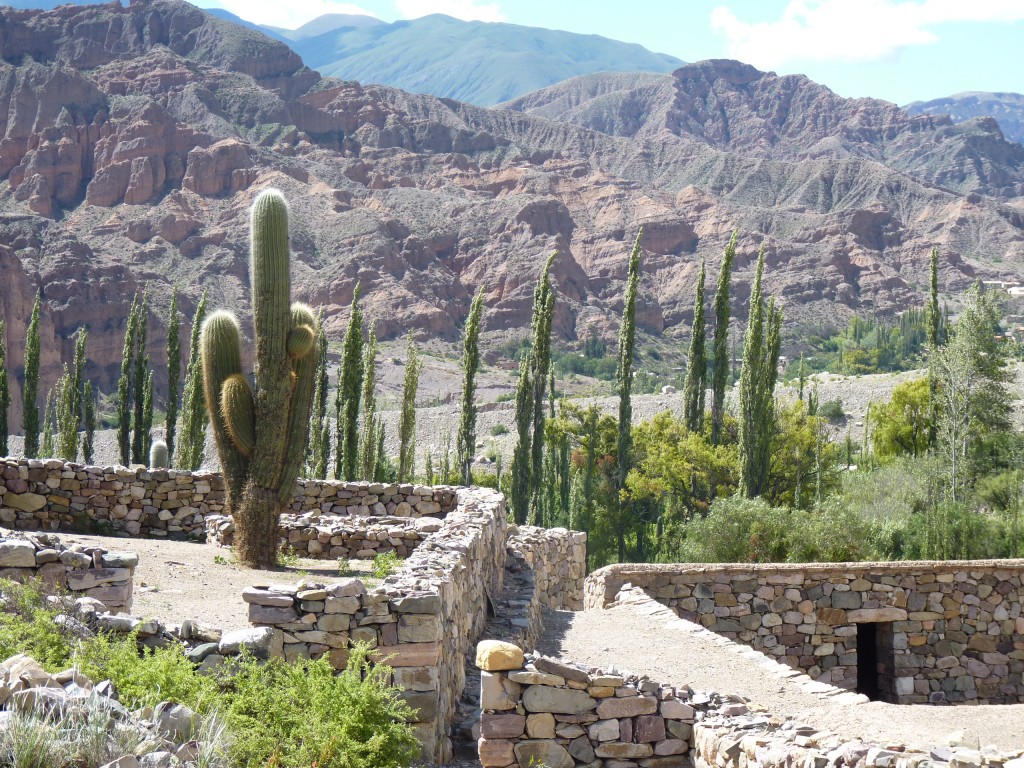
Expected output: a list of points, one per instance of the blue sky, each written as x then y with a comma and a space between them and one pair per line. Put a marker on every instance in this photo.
900, 50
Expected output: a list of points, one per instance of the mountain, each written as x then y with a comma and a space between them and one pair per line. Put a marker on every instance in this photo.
133, 139
329, 22
477, 62
1006, 108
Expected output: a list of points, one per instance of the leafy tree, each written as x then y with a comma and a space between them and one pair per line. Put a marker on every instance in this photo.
346, 402
757, 388
5, 391
540, 364
147, 417
720, 344
140, 436
49, 426
373, 425
407, 419
89, 419
66, 418
466, 441
803, 464
173, 372
193, 414
319, 426
932, 314
519, 494
31, 392
696, 366
901, 426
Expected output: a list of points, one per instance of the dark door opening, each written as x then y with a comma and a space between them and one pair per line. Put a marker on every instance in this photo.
867, 660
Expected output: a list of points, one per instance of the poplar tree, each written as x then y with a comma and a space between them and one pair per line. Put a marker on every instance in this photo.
466, 441
319, 426
193, 413
519, 493
66, 417
407, 420
346, 402
933, 320
141, 365
5, 391
696, 367
78, 377
371, 421
47, 448
31, 391
624, 374
757, 388
720, 345
147, 417
540, 364
124, 386
173, 373
89, 417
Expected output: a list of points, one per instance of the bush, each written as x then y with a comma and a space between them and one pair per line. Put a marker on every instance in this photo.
386, 563
28, 624
832, 410
499, 429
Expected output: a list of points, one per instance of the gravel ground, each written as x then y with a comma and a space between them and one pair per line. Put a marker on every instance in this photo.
178, 580
636, 641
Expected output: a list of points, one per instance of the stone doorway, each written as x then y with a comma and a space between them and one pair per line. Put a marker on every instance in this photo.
876, 677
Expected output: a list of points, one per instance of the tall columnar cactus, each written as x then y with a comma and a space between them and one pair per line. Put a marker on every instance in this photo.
262, 431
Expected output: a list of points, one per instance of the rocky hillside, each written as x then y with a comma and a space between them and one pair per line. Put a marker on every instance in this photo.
1007, 109
133, 139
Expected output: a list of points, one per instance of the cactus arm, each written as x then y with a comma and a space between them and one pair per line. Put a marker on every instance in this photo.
220, 347
239, 411
301, 340
158, 455
271, 299
304, 372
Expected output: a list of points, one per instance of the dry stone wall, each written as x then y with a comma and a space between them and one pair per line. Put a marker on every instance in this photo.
943, 632
424, 620
557, 557
54, 495
92, 572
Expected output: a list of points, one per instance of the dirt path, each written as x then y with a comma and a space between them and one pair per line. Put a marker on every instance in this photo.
655, 644
178, 580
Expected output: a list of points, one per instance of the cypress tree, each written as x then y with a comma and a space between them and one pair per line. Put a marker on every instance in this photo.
466, 441
173, 373
5, 391
31, 391
78, 376
624, 374
519, 494
47, 449
66, 418
346, 403
141, 365
319, 427
720, 344
371, 422
407, 420
147, 417
540, 364
193, 413
124, 386
757, 388
933, 322
89, 418
696, 368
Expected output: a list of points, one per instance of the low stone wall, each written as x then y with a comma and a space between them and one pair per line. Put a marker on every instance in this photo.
541, 711
325, 537
55, 495
558, 559
424, 620
92, 572
944, 631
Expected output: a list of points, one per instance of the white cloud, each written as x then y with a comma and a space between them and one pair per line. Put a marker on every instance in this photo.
287, 15
845, 30
467, 10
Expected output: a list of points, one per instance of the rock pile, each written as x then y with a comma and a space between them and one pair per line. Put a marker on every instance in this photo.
94, 572
71, 705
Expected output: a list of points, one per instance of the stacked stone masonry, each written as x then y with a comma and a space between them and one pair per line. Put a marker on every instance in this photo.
54, 495
423, 620
944, 632
557, 559
92, 572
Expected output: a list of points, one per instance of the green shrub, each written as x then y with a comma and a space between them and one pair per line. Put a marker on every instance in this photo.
386, 563
832, 410
499, 429
28, 625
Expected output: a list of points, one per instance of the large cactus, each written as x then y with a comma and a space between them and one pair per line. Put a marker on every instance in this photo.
261, 432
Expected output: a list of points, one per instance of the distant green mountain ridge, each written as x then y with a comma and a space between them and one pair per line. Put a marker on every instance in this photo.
472, 61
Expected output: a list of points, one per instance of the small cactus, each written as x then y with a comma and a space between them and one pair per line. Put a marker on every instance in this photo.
158, 455
261, 429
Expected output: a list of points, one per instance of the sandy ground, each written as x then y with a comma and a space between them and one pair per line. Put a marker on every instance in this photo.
178, 580
642, 644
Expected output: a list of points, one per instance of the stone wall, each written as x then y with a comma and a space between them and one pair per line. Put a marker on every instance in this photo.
944, 631
558, 559
56, 495
92, 572
424, 620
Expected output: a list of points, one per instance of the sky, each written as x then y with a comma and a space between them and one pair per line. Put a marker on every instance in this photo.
899, 50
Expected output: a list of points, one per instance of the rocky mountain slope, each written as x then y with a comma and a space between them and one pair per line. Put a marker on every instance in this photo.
133, 139
1007, 109
473, 61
